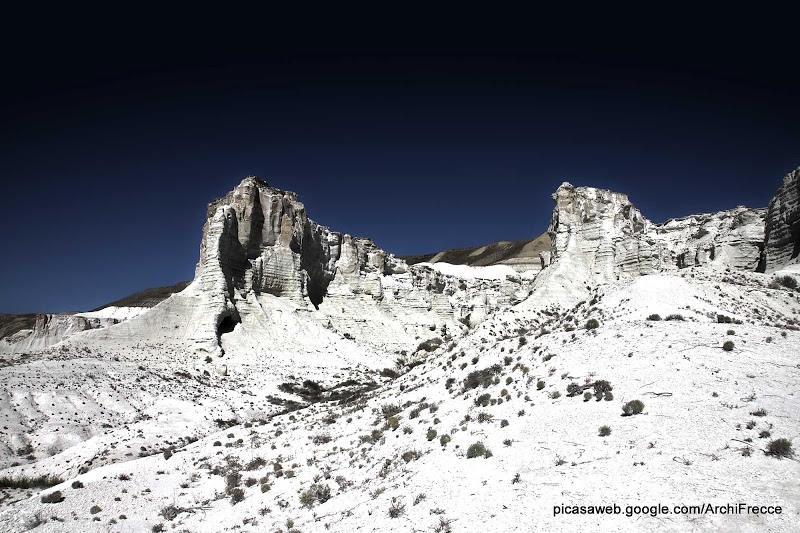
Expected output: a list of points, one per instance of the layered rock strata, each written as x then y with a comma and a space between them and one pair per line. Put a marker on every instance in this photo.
599, 237
782, 232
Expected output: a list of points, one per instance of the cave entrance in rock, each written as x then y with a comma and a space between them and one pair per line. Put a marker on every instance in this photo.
226, 325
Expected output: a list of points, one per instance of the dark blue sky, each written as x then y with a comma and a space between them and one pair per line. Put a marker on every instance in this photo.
113, 143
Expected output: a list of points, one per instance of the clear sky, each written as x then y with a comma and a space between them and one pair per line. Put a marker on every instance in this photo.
113, 141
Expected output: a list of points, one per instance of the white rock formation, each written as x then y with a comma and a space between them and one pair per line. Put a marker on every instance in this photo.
599, 237
49, 329
271, 282
782, 232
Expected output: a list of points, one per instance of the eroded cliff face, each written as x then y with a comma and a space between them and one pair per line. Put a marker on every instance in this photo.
263, 241
782, 232
258, 243
599, 237
48, 329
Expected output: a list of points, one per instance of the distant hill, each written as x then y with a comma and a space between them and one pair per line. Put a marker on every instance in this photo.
10, 324
147, 297
521, 255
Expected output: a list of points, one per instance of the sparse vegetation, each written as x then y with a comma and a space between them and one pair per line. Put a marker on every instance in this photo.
604, 431
784, 281
317, 493
780, 448
53, 497
477, 450
592, 323
633, 407
654, 317
483, 377
728, 346
411, 455
24, 482
396, 508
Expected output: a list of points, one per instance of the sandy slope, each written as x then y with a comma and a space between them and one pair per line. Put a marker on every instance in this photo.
685, 448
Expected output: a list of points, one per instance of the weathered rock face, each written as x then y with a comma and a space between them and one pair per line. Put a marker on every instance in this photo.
48, 329
262, 241
782, 231
615, 240
602, 231
599, 237
259, 242
728, 239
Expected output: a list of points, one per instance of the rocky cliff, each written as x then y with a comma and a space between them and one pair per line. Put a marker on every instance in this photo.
782, 232
43, 330
259, 243
599, 237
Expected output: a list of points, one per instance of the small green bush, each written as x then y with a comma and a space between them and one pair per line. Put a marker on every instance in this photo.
605, 431
483, 400
728, 346
431, 434
476, 450
95, 509
318, 492
633, 407
759, 412
539, 385
396, 508
389, 373
786, 281
675, 317
53, 497
483, 377
444, 439
23, 482
592, 323
388, 409
256, 463
411, 455
587, 396
780, 448
503, 423
170, 512
573, 389
654, 317
392, 423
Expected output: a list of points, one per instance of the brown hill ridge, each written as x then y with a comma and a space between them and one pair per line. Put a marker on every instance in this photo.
521, 255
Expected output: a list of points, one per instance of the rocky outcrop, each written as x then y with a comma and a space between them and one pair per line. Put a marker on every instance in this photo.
259, 242
782, 231
262, 241
728, 239
599, 237
48, 329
